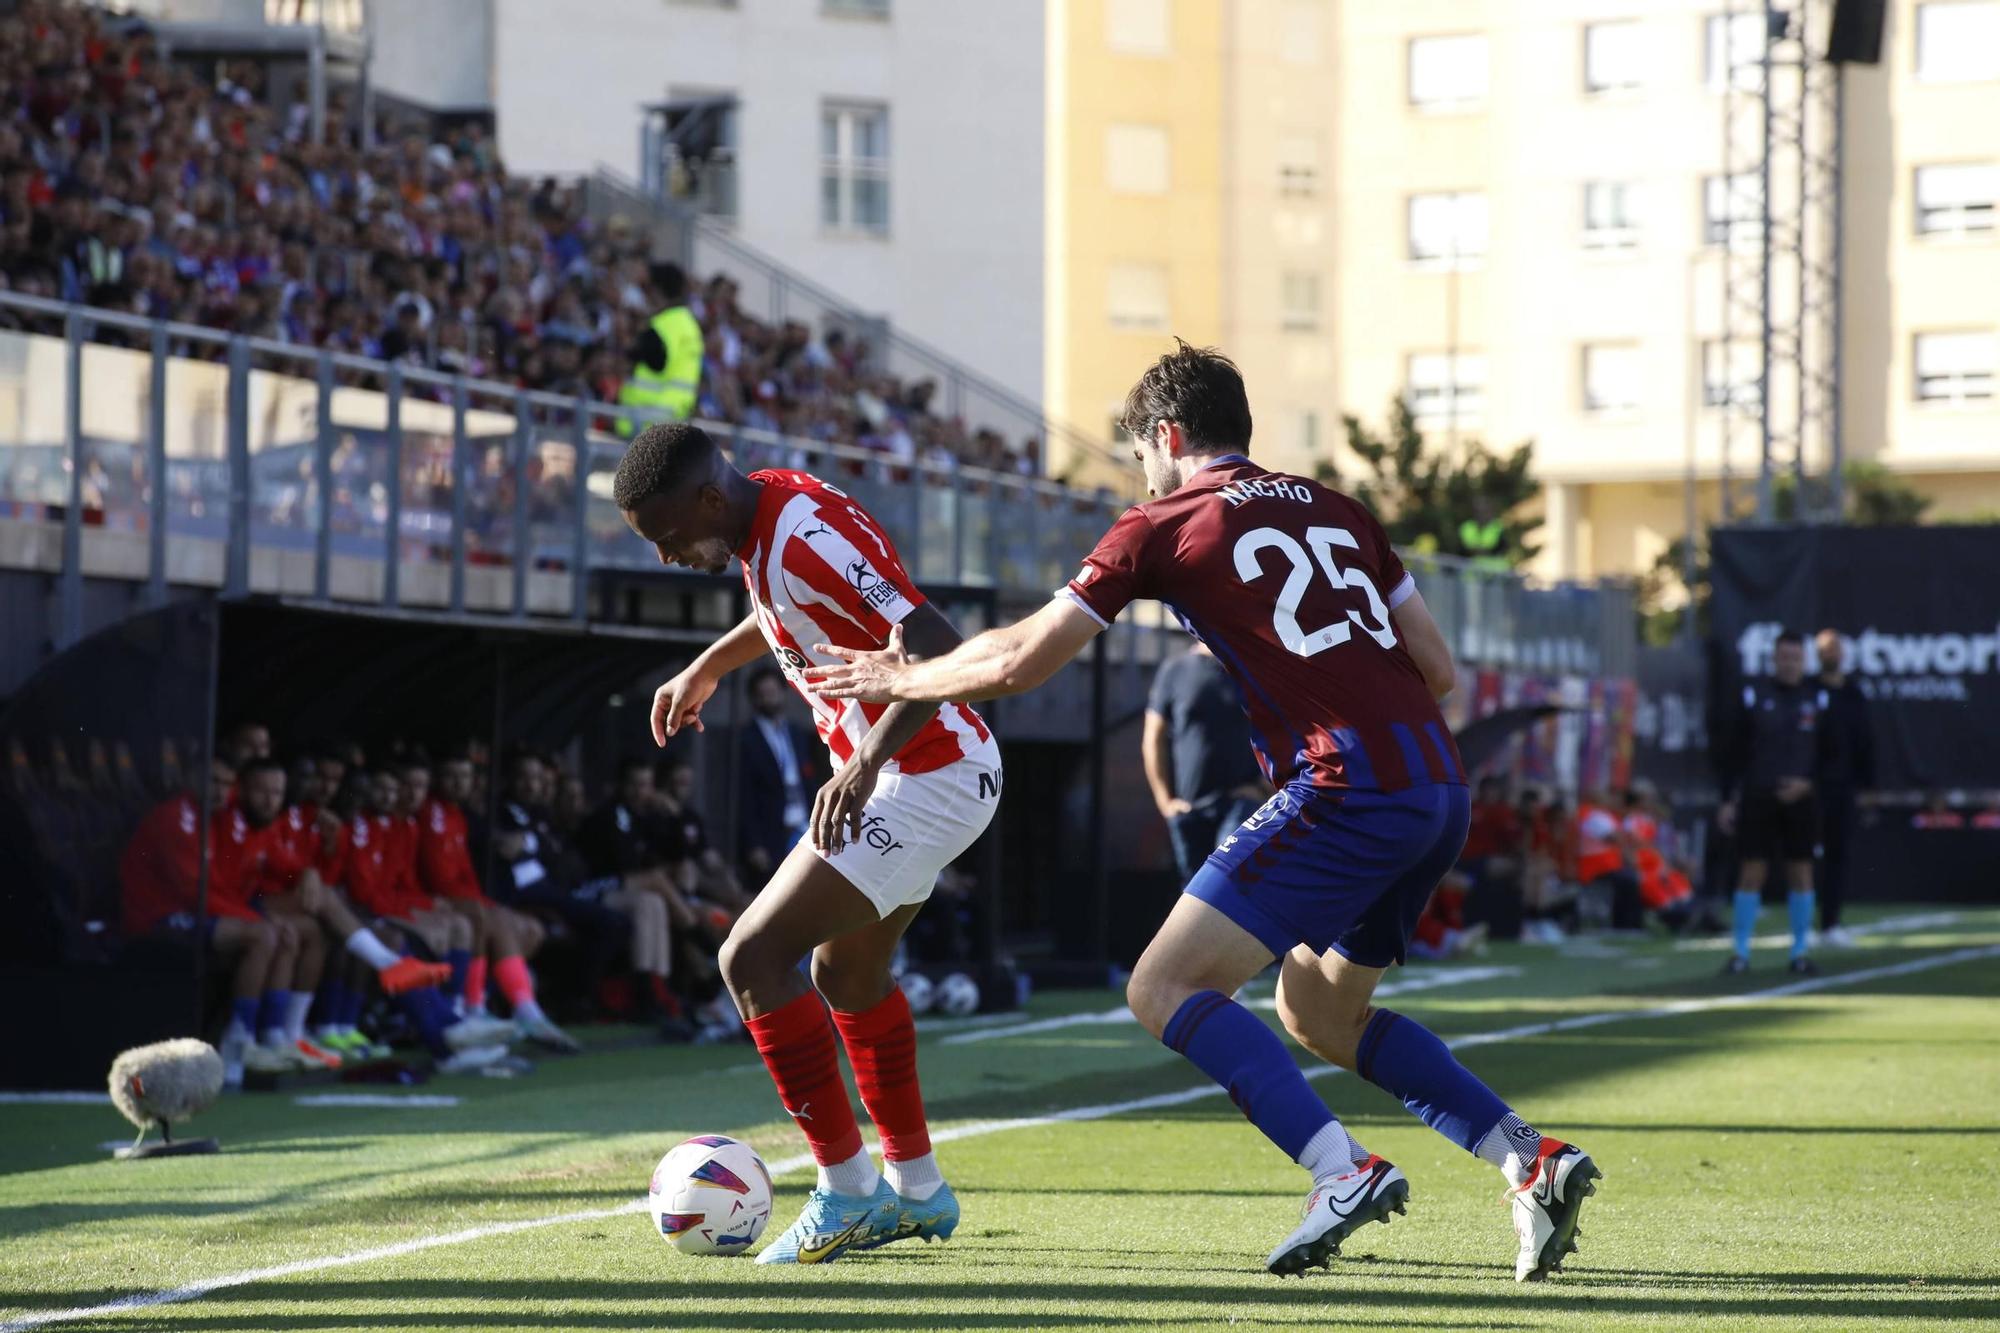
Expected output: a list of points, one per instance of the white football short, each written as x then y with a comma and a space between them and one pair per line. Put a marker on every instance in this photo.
916, 824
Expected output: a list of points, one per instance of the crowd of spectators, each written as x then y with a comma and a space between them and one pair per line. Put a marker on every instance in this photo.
1557, 868
169, 190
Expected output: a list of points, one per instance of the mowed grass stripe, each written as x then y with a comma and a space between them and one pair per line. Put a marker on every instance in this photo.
197, 1289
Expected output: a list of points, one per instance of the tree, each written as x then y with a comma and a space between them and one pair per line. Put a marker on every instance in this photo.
1873, 495
1459, 502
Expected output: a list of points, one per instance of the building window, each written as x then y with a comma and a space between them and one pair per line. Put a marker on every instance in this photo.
1298, 166
1137, 27
1956, 367
1613, 56
854, 168
1136, 297
1610, 377
1732, 206
1299, 39
1298, 301
1729, 372
1955, 198
1447, 229
1735, 42
1446, 389
1135, 159
855, 9
1307, 432
1958, 41
1610, 215
1448, 72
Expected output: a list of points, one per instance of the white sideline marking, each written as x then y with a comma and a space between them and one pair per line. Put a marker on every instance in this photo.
424, 1099
785, 1166
1421, 981
1888, 925
55, 1099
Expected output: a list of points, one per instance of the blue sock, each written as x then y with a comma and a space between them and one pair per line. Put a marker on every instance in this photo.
244, 1008
461, 962
1748, 905
1405, 1058
351, 1004
431, 1014
1799, 906
332, 1004
272, 1013
1233, 1046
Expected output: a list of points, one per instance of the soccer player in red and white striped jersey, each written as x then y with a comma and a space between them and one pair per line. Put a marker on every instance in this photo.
915, 785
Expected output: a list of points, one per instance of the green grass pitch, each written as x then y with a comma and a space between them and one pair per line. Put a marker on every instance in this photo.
1820, 1157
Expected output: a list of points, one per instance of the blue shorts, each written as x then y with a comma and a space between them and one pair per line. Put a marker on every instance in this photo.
1348, 870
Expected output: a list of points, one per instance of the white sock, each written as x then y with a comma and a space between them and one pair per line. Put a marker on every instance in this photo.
856, 1177
916, 1178
528, 1011
1331, 1152
364, 944
1512, 1146
295, 1014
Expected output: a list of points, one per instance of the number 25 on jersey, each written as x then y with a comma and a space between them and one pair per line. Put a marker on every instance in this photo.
1285, 611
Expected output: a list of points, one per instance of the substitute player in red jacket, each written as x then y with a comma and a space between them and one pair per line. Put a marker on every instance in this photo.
503, 939
1297, 591
914, 785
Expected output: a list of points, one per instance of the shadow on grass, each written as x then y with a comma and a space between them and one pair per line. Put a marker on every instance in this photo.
1493, 1302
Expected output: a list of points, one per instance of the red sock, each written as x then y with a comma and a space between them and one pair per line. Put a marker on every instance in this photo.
663, 995
475, 983
882, 1047
796, 1042
515, 983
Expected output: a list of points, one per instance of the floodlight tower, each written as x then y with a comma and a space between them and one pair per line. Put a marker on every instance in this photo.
1782, 250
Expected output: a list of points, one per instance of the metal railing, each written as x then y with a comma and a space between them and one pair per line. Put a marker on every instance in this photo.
195, 457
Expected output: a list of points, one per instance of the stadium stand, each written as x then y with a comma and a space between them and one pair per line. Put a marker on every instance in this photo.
134, 183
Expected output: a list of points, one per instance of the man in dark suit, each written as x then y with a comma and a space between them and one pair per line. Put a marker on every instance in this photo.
778, 770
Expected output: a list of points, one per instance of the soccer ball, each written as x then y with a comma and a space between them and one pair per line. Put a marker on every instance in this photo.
958, 995
711, 1195
917, 989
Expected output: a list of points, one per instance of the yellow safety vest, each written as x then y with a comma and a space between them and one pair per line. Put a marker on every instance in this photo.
671, 390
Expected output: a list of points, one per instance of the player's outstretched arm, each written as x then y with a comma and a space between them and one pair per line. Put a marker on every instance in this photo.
677, 704
837, 810
1008, 660
1425, 641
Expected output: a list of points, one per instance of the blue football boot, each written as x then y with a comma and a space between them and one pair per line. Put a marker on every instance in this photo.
832, 1224
932, 1219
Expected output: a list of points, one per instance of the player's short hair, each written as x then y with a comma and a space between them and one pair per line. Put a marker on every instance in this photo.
764, 673
1198, 389
665, 456
249, 768
1791, 636
633, 763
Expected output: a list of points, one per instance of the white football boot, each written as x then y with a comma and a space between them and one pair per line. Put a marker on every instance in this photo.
1546, 1207
1335, 1209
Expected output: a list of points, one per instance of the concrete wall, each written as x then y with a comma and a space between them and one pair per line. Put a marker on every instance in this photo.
961, 265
